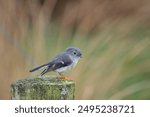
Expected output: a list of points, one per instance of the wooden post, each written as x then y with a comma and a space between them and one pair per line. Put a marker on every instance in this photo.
43, 89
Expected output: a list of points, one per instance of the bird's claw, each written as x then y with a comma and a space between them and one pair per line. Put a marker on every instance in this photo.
64, 78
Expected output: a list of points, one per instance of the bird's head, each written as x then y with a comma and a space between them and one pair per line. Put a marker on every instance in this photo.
75, 52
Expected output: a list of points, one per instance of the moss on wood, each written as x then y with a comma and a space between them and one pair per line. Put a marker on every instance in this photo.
43, 89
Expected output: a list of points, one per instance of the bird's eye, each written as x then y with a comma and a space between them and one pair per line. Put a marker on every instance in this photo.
74, 53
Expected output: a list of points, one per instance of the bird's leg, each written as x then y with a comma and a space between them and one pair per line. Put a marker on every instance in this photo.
63, 77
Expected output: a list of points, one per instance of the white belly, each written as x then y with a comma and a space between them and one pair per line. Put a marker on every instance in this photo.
67, 68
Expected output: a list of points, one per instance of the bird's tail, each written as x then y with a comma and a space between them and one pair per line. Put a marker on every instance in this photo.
32, 70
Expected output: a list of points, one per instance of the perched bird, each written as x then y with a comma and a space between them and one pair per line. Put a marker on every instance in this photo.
62, 63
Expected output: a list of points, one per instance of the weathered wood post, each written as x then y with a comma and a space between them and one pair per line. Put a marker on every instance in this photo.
43, 89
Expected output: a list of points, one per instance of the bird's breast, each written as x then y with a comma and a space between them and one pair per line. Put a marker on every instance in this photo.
67, 68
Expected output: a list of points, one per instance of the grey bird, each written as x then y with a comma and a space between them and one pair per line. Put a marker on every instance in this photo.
62, 63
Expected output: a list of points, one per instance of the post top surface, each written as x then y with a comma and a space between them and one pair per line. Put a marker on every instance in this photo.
46, 81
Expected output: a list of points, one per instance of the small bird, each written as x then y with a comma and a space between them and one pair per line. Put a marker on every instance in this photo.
62, 63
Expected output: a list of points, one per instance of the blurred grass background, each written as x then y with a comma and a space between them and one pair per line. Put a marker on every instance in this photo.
114, 37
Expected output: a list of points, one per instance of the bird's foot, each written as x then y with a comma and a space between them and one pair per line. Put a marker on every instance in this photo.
64, 78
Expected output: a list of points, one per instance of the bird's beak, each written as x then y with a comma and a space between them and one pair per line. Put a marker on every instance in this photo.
80, 55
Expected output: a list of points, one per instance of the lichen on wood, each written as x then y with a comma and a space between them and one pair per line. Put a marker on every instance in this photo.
49, 88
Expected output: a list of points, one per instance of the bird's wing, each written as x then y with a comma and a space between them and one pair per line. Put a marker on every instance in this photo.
60, 61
